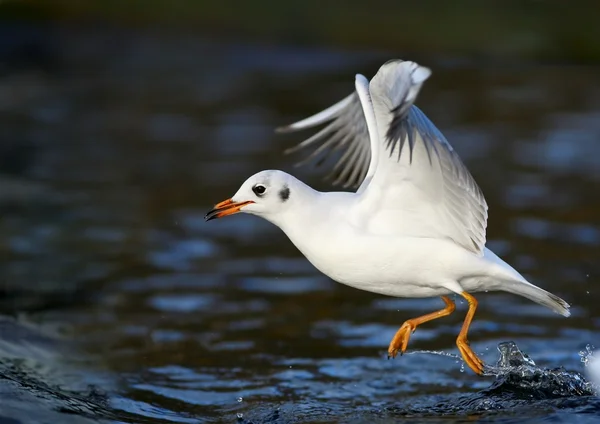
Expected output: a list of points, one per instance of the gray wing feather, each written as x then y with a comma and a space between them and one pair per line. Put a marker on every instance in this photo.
346, 131
394, 90
397, 86
463, 199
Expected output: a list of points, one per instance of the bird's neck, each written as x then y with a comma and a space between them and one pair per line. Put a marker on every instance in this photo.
310, 222
300, 211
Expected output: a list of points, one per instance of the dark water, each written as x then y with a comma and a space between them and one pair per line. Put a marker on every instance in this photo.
128, 307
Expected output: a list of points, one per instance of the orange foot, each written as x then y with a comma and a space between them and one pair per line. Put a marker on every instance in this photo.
400, 340
470, 357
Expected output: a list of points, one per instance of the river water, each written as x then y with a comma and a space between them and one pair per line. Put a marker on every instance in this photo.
120, 303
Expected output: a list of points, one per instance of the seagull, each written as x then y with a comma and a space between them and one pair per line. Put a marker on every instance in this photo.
413, 223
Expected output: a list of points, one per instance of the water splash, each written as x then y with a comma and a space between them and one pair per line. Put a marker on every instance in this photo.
519, 383
515, 370
459, 359
510, 358
518, 375
435, 352
587, 355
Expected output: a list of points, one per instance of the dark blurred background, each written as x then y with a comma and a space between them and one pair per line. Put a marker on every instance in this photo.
122, 122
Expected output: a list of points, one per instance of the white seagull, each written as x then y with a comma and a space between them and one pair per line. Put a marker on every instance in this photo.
415, 227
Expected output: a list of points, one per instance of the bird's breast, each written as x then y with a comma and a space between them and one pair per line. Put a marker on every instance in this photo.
355, 258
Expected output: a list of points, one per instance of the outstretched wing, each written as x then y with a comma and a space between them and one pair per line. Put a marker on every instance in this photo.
417, 184
346, 131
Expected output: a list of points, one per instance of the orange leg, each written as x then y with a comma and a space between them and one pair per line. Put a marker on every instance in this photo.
400, 340
467, 353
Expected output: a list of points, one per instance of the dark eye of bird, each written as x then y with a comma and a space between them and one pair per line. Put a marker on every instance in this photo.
259, 189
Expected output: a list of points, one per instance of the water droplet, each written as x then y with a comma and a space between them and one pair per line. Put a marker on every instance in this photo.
587, 354
240, 399
462, 367
240, 415
587, 291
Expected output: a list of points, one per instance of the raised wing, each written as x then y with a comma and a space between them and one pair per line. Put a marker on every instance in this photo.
417, 184
346, 131
420, 186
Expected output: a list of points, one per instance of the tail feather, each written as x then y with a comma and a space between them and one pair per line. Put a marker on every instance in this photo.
538, 295
513, 282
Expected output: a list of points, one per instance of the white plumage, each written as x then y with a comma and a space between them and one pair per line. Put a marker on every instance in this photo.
416, 225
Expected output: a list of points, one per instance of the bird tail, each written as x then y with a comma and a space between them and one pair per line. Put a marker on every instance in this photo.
538, 295
513, 282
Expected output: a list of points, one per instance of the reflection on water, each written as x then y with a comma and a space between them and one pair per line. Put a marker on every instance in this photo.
102, 234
